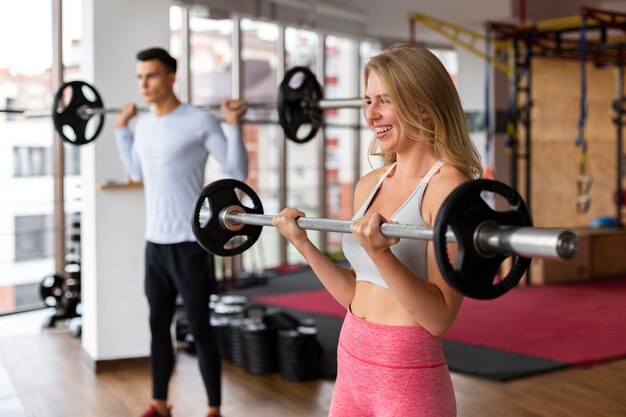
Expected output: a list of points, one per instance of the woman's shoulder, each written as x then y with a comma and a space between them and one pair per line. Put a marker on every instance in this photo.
368, 180
440, 187
448, 178
365, 185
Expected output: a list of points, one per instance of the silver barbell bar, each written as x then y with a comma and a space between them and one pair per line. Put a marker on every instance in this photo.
86, 112
489, 238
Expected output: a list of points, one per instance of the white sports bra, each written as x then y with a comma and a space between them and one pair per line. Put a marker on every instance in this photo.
410, 252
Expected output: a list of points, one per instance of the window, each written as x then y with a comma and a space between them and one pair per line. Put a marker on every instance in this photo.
341, 133
26, 185
260, 85
33, 237
31, 161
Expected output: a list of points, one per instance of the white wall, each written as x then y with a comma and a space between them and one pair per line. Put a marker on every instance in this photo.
471, 87
389, 19
115, 313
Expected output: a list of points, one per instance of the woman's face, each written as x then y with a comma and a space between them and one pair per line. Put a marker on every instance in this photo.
380, 114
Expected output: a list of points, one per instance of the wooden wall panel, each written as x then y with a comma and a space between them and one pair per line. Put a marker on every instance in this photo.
555, 156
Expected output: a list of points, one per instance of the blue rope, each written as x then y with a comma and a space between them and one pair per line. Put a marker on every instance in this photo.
580, 140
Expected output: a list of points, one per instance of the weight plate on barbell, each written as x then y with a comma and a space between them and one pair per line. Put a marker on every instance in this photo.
299, 112
476, 274
71, 121
209, 232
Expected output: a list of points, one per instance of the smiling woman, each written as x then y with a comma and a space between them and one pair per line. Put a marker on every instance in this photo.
397, 303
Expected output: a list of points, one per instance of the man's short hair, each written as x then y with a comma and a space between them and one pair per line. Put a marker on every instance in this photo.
160, 55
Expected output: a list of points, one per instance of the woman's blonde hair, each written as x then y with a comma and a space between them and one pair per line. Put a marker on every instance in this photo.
418, 84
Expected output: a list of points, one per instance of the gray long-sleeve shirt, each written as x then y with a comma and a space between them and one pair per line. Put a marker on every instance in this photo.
169, 154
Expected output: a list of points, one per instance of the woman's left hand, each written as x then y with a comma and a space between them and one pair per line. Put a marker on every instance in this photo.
366, 231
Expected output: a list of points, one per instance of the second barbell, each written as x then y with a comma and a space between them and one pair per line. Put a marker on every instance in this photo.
78, 108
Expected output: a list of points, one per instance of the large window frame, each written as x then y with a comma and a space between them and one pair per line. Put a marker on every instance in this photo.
319, 144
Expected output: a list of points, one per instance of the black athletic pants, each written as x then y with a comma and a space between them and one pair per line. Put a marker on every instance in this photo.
185, 269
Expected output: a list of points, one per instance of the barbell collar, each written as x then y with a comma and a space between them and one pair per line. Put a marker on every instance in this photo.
526, 241
490, 239
340, 103
86, 112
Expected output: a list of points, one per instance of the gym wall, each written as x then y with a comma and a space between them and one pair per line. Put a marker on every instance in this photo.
555, 157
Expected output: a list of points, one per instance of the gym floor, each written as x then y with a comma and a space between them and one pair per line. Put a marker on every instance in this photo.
52, 377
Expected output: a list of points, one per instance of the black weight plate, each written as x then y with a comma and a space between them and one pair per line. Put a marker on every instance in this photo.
211, 235
66, 116
51, 290
463, 211
299, 105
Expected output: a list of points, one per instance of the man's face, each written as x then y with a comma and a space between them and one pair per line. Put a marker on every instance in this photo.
154, 81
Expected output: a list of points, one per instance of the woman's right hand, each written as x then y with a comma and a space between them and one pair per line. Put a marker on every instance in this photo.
285, 222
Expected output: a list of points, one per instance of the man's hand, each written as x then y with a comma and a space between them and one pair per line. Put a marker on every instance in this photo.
128, 112
233, 111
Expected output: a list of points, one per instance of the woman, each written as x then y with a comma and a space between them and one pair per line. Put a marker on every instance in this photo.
390, 360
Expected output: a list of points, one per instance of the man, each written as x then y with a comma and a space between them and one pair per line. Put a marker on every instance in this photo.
168, 152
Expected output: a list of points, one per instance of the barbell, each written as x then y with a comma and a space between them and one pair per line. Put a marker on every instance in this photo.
485, 238
78, 109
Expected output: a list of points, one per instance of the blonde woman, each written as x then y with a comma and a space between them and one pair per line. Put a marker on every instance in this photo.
398, 306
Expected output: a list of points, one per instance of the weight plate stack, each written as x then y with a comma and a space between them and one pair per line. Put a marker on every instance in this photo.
260, 352
221, 330
236, 338
299, 354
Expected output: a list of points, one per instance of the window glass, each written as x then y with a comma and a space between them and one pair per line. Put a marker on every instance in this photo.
26, 164
211, 59
72, 34
33, 237
25, 152
450, 60
367, 50
303, 162
259, 85
29, 161
341, 82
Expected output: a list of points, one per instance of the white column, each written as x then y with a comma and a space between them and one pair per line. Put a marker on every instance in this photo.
115, 313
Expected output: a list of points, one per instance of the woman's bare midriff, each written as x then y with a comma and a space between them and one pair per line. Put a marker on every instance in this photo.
378, 305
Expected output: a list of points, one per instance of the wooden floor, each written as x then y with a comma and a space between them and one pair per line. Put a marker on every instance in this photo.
52, 379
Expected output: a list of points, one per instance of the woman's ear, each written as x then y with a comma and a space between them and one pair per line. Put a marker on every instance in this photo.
425, 115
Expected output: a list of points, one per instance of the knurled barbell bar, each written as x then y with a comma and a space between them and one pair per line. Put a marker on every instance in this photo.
78, 109
225, 226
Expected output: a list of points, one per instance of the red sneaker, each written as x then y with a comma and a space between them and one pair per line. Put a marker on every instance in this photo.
152, 412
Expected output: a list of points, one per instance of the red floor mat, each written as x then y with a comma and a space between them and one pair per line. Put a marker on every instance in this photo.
579, 324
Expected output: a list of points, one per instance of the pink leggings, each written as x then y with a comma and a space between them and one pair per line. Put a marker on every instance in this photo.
385, 371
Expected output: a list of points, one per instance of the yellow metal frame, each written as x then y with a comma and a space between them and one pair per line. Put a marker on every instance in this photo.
467, 39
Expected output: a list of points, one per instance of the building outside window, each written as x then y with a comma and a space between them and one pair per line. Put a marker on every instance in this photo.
26, 183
